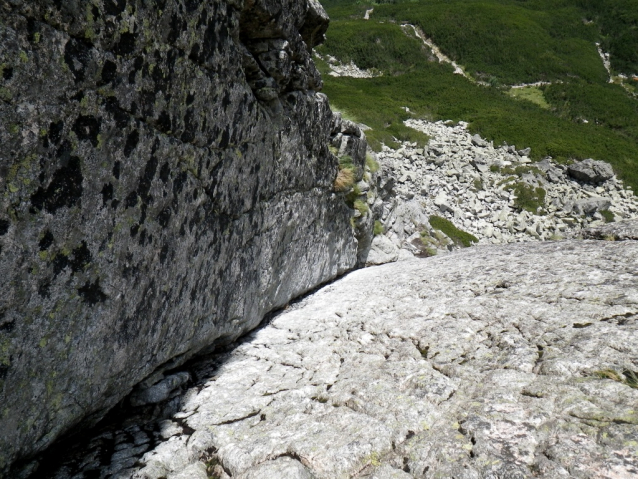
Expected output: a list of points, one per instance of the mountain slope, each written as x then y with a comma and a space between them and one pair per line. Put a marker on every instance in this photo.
500, 43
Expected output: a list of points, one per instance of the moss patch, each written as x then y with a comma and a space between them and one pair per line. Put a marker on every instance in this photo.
460, 237
531, 93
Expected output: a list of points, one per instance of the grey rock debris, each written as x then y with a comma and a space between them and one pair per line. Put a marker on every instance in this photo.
471, 183
591, 171
493, 361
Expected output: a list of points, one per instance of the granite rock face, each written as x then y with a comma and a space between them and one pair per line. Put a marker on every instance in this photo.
500, 361
165, 181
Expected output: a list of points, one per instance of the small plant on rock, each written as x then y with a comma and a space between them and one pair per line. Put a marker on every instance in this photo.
528, 197
378, 228
460, 237
361, 206
608, 215
627, 377
344, 180
371, 163
346, 175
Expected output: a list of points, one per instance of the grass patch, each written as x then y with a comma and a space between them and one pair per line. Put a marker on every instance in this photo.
371, 163
344, 180
347, 174
627, 377
608, 215
361, 206
528, 197
532, 94
460, 237
378, 228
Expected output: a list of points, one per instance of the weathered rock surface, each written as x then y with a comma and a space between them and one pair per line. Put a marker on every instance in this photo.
165, 181
619, 231
494, 361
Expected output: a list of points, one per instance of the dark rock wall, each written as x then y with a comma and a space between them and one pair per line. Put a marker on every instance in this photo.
165, 181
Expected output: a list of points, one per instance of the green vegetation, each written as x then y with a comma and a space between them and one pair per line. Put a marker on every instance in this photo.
371, 163
500, 42
459, 237
608, 215
617, 20
528, 198
627, 377
346, 175
361, 206
510, 40
605, 104
530, 93
378, 228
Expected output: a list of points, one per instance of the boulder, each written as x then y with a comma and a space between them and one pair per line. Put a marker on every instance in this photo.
616, 231
443, 202
591, 171
382, 251
589, 206
478, 141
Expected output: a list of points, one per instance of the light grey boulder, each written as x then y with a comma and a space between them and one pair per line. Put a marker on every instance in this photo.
407, 217
524, 152
382, 251
444, 203
591, 171
480, 163
589, 206
478, 141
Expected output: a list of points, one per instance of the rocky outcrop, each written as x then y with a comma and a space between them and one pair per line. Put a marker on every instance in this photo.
508, 361
165, 181
349, 141
620, 231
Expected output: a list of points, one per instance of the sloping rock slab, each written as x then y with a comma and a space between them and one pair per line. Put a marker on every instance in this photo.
497, 361
619, 231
